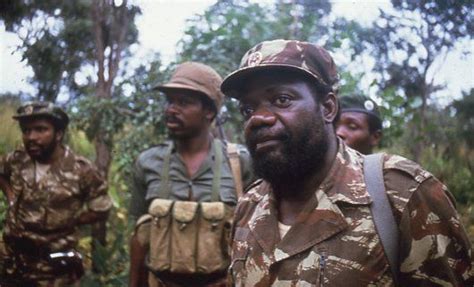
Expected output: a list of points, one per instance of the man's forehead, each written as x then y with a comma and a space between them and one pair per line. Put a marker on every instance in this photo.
354, 116
36, 121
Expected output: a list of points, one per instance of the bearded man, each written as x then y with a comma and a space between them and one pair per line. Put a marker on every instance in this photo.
50, 191
309, 221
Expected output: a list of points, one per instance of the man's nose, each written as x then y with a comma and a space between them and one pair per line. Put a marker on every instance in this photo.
30, 135
171, 108
261, 117
341, 132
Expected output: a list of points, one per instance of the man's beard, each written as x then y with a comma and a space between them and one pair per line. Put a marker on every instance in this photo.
45, 153
298, 157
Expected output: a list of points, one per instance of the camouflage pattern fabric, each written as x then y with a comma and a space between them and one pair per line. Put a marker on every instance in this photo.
334, 242
45, 109
41, 221
297, 56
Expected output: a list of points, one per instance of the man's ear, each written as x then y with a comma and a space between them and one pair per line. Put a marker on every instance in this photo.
375, 138
59, 136
330, 107
210, 115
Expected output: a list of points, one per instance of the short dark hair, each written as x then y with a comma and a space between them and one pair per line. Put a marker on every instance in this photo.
374, 123
57, 124
208, 104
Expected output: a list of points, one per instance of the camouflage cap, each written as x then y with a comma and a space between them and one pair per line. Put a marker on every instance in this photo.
45, 109
305, 57
360, 104
196, 77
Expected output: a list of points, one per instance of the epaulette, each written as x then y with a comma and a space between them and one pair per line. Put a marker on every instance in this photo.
253, 185
405, 165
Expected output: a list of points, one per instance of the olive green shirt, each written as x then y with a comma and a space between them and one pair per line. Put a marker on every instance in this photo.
147, 176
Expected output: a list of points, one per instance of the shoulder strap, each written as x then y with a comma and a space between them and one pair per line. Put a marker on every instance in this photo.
384, 220
234, 160
165, 172
216, 180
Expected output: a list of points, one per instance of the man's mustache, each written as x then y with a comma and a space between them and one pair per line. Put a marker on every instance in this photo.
173, 119
264, 134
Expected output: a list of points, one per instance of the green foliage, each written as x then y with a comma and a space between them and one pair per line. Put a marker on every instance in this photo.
59, 41
465, 113
10, 133
131, 121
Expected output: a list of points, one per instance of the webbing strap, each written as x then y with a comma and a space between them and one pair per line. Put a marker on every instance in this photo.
384, 220
165, 172
216, 168
234, 161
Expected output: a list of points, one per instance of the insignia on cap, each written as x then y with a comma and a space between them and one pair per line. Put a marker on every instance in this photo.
29, 110
254, 59
368, 105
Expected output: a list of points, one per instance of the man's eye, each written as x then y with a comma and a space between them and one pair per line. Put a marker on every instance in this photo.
353, 126
246, 111
282, 100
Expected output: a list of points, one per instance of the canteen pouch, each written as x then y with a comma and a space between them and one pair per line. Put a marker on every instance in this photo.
159, 258
213, 236
184, 230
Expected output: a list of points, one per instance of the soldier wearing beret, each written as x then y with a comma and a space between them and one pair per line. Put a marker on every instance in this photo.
360, 124
185, 189
51, 191
309, 221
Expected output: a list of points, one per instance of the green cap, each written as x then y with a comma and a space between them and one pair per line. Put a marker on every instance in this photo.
43, 109
359, 104
294, 55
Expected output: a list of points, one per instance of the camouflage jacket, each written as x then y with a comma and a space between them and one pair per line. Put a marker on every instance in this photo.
44, 212
334, 241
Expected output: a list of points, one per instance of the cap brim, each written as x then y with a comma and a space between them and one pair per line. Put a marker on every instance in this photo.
36, 115
174, 86
234, 79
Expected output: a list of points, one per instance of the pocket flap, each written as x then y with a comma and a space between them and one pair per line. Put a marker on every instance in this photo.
160, 207
213, 210
184, 211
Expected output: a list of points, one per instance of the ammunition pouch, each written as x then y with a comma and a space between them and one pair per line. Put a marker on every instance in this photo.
69, 262
26, 253
189, 237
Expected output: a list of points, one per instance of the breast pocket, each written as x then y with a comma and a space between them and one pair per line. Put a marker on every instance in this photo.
64, 203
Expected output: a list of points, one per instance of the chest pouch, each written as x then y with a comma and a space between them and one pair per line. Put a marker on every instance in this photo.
188, 237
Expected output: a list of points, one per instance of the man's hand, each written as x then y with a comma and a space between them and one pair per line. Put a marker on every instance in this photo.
89, 217
7, 190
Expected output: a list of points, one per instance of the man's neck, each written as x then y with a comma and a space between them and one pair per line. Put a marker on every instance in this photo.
194, 151
193, 145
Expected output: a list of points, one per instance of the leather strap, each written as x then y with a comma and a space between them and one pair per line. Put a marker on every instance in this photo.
234, 161
384, 220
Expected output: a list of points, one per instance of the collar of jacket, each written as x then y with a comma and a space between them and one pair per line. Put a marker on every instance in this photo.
64, 164
321, 217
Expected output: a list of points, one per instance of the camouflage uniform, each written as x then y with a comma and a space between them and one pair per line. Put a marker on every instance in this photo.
334, 241
41, 221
